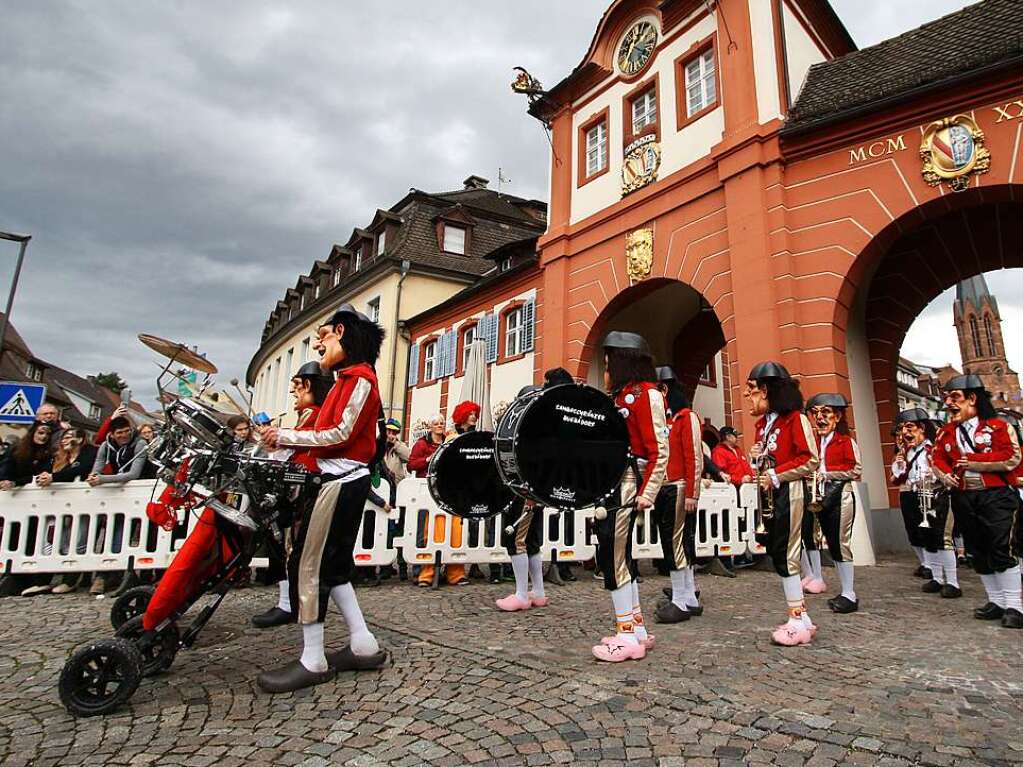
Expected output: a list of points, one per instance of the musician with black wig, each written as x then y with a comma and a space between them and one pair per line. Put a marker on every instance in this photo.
677, 501
631, 380
345, 441
786, 452
309, 388
974, 455
832, 523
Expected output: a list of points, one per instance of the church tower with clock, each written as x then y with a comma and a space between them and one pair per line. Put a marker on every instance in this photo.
979, 326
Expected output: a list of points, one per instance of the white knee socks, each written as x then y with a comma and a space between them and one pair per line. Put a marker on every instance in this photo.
815, 565
794, 599
678, 588
284, 598
536, 575
949, 568
621, 598
933, 563
920, 554
845, 574
994, 592
1009, 584
804, 563
362, 640
520, 566
313, 657
637, 613
691, 600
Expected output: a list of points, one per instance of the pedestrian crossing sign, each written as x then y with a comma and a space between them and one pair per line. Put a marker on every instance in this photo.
19, 401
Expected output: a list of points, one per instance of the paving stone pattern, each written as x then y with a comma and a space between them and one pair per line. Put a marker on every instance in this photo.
911, 679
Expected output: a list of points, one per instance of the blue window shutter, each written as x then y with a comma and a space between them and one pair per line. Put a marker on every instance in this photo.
528, 325
450, 340
413, 364
490, 334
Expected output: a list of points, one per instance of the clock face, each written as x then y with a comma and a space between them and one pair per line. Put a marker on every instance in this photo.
637, 47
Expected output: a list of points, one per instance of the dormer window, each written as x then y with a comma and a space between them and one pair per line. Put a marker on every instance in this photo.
506, 264
358, 259
337, 277
35, 372
454, 239
381, 243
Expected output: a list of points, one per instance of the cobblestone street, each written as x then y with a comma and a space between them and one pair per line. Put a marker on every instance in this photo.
911, 679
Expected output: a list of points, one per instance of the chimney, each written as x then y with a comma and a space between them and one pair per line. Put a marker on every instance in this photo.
476, 182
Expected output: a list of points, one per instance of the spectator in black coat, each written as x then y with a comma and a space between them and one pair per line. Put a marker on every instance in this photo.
73, 461
29, 459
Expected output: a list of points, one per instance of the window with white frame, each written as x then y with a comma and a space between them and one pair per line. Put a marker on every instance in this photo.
381, 242
305, 351
429, 361
358, 259
337, 277
644, 110
95, 411
454, 239
514, 333
701, 82
35, 373
468, 337
596, 149
506, 264
316, 291
301, 301
373, 309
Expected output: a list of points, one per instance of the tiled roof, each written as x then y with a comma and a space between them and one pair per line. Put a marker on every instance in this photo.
980, 37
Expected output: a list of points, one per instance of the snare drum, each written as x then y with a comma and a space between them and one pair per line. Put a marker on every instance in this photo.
200, 422
463, 479
566, 447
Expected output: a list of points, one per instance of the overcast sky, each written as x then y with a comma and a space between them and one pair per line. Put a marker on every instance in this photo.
179, 164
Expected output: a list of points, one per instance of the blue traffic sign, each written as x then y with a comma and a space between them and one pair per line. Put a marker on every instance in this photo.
20, 401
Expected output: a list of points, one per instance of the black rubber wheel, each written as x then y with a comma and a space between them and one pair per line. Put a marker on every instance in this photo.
100, 677
157, 650
132, 602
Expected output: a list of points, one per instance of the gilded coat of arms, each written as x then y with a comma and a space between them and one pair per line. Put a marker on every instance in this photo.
639, 254
640, 165
953, 150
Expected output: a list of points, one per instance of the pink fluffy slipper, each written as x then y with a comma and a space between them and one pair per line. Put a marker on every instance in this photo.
512, 603
618, 650
538, 601
790, 636
815, 586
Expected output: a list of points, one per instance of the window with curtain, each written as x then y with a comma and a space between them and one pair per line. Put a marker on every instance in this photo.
596, 149
513, 333
644, 110
429, 361
454, 239
701, 82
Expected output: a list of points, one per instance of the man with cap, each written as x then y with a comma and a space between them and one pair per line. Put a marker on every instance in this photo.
675, 509
727, 455
345, 442
309, 388
786, 452
631, 380
396, 468
840, 466
973, 456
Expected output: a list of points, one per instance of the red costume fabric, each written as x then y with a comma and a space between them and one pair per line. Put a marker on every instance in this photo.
732, 462
841, 457
303, 455
422, 452
685, 451
997, 453
792, 443
643, 407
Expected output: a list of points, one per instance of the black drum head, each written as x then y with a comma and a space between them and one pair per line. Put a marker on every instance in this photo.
570, 445
463, 477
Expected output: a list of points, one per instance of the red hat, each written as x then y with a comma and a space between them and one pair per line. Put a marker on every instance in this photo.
464, 410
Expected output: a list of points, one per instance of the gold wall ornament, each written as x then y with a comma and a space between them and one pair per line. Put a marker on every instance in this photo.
641, 163
639, 254
952, 150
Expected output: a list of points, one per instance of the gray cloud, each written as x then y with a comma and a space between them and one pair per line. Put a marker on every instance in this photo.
179, 165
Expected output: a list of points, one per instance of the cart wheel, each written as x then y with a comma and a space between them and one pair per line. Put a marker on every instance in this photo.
132, 602
157, 649
100, 677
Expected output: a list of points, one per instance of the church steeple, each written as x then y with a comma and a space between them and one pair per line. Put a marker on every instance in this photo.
973, 291
979, 326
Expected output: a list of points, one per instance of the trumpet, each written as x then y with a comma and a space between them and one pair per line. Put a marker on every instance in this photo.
925, 493
765, 498
817, 489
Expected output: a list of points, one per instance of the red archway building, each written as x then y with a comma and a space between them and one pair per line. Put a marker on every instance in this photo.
810, 197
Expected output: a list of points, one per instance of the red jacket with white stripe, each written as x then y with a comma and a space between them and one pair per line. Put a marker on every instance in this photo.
303, 456
685, 451
643, 408
997, 453
346, 426
792, 443
732, 462
841, 457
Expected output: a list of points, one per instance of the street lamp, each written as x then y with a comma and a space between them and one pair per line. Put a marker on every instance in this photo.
23, 239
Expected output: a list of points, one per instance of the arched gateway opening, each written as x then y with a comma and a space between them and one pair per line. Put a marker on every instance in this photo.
907, 265
683, 331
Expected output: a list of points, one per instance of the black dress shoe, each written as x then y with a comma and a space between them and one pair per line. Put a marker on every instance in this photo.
346, 660
1013, 619
931, 587
565, 571
696, 612
292, 677
671, 613
923, 572
667, 591
989, 612
842, 604
948, 591
275, 616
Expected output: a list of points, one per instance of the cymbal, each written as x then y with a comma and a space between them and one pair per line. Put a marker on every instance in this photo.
178, 352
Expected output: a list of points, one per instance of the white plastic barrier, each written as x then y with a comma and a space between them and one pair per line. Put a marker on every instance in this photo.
720, 522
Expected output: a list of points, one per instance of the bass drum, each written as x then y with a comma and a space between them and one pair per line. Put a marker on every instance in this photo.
463, 477
566, 447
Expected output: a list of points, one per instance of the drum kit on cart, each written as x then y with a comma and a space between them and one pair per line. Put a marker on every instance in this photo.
564, 447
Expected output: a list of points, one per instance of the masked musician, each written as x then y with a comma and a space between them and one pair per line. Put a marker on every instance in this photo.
345, 442
785, 454
914, 438
676, 507
631, 380
840, 466
523, 546
1016, 479
309, 387
973, 456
